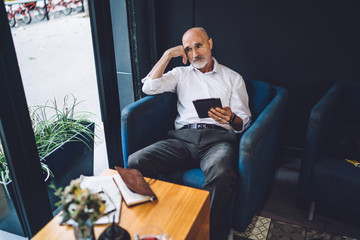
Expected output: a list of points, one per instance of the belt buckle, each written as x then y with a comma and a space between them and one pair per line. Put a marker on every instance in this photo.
200, 126
192, 126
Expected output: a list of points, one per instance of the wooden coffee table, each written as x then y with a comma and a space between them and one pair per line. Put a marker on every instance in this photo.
180, 211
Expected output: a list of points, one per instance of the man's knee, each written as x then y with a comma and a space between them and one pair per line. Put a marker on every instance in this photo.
220, 175
224, 172
138, 160
131, 164
141, 162
133, 161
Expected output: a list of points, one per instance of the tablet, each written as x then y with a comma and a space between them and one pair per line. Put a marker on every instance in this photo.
203, 106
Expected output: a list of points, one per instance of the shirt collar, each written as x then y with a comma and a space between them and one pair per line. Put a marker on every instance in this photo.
216, 67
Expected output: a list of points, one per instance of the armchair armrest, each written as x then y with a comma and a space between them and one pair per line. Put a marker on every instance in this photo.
259, 150
147, 121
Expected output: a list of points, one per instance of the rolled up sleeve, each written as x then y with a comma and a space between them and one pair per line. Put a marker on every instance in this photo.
150, 86
240, 102
167, 83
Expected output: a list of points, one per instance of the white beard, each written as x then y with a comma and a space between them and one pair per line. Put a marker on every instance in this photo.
199, 63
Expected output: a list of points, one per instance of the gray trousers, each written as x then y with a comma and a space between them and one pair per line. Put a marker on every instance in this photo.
213, 150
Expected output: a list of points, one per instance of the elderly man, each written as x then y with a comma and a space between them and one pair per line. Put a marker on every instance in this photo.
206, 142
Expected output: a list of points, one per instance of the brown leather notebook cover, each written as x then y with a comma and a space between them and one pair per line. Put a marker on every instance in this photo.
135, 181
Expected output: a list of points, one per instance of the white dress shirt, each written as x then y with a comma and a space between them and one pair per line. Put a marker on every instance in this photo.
190, 84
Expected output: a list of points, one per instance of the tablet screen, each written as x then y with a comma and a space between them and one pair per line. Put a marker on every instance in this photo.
203, 106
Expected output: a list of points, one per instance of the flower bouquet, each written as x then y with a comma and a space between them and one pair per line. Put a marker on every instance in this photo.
82, 206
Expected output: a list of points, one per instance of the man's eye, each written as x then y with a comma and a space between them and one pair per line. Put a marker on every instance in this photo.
187, 49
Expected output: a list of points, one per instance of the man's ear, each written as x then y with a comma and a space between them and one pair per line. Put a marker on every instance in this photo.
210, 43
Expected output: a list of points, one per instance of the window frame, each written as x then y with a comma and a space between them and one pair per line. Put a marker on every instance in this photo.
15, 125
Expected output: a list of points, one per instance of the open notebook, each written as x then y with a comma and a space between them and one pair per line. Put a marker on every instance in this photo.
134, 189
129, 185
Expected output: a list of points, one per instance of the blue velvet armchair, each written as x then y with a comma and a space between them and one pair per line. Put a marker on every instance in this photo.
149, 119
333, 135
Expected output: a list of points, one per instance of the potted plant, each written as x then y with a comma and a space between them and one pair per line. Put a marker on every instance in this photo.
5, 179
82, 206
63, 138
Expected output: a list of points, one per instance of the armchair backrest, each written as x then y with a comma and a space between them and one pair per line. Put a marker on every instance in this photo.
260, 93
329, 128
147, 121
344, 131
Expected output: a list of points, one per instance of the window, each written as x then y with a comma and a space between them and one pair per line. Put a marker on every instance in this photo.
16, 132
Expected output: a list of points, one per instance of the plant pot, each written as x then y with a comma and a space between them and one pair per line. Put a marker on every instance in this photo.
69, 161
4, 206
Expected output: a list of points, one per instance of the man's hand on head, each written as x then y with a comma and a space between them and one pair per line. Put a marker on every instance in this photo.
177, 51
158, 70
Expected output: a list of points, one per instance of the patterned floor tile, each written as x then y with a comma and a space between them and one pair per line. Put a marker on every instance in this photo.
318, 235
285, 231
257, 229
262, 228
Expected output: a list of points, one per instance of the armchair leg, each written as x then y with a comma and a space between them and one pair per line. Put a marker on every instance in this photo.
311, 211
231, 234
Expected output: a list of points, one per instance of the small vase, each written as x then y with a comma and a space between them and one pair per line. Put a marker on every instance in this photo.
84, 232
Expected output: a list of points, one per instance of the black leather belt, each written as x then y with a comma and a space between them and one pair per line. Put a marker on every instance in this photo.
202, 126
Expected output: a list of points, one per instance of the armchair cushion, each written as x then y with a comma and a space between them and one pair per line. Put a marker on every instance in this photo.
192, 177
337, 179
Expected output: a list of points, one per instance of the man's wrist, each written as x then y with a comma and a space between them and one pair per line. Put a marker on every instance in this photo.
232, 119
167, 55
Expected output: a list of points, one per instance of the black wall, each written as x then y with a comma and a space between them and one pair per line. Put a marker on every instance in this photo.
304, 46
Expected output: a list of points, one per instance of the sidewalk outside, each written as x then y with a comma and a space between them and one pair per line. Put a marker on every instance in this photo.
56, 58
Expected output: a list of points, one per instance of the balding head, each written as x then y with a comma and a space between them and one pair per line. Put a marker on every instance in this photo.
196, 30
197, 46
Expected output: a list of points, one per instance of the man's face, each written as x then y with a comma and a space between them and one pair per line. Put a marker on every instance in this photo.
197, 47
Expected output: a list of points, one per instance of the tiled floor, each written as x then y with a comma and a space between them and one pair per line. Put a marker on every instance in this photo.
258, 229
262, 228
10, 236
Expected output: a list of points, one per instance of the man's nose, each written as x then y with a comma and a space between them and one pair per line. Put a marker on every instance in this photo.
194, 53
